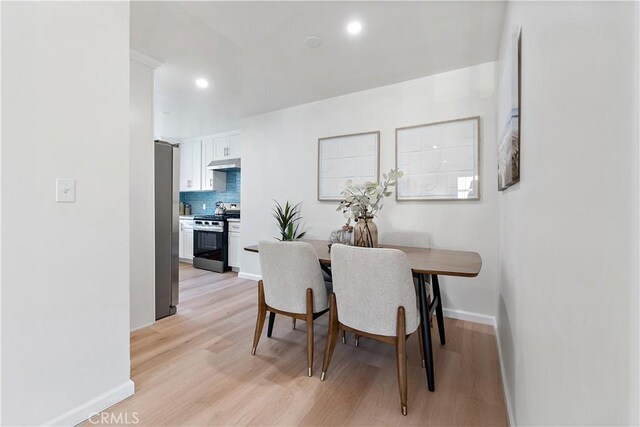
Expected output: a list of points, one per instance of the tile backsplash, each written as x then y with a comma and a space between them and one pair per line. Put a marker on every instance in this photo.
197, 198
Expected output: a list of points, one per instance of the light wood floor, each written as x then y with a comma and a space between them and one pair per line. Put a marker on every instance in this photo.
196, 368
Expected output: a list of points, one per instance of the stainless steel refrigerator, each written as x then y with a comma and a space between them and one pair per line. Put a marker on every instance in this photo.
167, 200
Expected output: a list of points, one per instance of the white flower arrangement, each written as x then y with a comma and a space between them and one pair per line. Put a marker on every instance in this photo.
365, 200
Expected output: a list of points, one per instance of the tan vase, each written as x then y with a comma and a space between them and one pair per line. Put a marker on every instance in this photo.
366, 233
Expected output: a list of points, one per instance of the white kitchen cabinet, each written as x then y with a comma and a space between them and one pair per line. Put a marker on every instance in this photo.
228, 146
211, 180
234, 244
235, 146
220, 146
185, 240
188, 244
190, 165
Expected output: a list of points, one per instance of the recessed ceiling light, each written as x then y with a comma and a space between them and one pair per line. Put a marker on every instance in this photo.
313, 42
202, 83
354, 27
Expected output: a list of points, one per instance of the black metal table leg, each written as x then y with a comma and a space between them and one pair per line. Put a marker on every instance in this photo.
326, 269
426, 331
439, 314
272, 317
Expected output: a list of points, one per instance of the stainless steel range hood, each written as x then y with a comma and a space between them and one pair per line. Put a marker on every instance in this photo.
223, 165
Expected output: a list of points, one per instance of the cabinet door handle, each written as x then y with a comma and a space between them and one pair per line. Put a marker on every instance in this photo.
211, 182
188, 183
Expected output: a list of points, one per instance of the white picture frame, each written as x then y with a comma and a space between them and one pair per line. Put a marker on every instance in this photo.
440, 161
340, 158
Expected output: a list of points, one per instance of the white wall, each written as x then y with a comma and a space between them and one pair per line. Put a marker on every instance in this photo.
280, 162
65, 276
568, 270
142, 239
1, 400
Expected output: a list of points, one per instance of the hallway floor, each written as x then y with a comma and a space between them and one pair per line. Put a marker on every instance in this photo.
196, 368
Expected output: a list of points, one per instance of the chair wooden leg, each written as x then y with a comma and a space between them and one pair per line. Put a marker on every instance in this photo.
293, 323
309, 331
262, 313
401, 358
332, 335
272, 317
420, 339
430, 317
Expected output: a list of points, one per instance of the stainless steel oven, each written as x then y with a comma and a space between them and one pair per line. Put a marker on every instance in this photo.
210, 244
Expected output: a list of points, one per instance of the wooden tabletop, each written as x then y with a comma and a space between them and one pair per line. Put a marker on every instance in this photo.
423, 260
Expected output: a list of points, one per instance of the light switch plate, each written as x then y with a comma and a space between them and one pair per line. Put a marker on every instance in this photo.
65, 190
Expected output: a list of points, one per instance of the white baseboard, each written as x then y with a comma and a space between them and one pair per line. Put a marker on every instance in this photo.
94, 406
141, 327
470, 316
505, 386
254, 277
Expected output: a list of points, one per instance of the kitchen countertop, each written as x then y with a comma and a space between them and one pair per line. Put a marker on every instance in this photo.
233, 219
186, 216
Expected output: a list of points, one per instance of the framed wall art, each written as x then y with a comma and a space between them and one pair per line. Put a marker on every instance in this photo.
440, 161
340, 158
509, 116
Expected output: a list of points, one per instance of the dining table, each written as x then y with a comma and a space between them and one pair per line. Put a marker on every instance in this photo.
426, 265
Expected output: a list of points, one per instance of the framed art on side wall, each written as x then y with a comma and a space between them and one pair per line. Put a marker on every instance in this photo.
440, 161
347, 157
509, 114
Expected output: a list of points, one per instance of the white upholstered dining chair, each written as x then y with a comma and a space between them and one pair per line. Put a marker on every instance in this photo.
292, 285
374, 297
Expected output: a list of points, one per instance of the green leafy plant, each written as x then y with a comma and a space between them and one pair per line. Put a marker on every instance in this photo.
288, 221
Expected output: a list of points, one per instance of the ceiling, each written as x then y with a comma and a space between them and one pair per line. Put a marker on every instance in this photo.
254, 56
